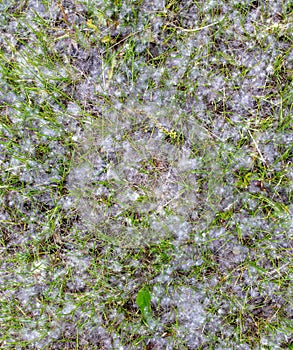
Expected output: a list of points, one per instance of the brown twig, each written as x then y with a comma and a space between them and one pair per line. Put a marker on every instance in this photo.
64, 15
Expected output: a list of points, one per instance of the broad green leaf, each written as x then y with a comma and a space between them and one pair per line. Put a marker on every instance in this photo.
143, 300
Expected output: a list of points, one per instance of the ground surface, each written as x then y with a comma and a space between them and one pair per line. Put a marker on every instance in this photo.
146, 174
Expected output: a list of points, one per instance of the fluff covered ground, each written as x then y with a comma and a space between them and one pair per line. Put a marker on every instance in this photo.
146, 174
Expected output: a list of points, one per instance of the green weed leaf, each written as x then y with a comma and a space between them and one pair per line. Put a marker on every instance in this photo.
143, 300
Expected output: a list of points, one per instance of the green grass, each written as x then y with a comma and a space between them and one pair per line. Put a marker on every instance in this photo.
148, 224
